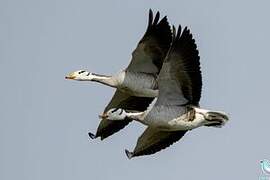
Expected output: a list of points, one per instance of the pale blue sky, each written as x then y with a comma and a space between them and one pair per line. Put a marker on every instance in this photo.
44, 119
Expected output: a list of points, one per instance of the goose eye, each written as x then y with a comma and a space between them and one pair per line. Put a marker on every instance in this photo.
81, 72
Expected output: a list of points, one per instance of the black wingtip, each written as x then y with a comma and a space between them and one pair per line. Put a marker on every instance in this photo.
179, 31
129, 154
150, 20
156, 18
91, 135
173, 31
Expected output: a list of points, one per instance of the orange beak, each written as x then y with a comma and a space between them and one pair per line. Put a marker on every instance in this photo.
69, 77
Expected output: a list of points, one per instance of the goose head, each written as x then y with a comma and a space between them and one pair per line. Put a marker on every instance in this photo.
115, 114
80, 75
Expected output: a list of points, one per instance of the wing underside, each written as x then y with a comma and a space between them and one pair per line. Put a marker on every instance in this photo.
153, 140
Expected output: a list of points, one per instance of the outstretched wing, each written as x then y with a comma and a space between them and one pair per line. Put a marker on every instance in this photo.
153, 140
180, 80
150, 52
124, 101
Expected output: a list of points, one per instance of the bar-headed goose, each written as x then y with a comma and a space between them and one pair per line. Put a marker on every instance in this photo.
176, 109
139, 79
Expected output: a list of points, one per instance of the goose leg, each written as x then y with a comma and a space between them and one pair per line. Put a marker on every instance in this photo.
215, 119
91, 135
129, 154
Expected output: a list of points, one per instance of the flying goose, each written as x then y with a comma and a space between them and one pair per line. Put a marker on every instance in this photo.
137, 84
176, 109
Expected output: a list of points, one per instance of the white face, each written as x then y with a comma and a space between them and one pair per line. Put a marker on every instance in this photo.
79, 75
116, 114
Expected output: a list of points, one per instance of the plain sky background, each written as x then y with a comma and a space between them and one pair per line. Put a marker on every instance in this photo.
44, 119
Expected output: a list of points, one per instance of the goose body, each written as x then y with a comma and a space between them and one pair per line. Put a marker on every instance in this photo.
176, 118
139, 84
160, 116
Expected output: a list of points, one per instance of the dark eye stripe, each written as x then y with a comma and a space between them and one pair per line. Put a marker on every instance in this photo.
121, 112
114, 110
81, 72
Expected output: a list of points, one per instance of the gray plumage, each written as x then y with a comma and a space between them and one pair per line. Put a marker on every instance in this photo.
159, 115
140, 84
